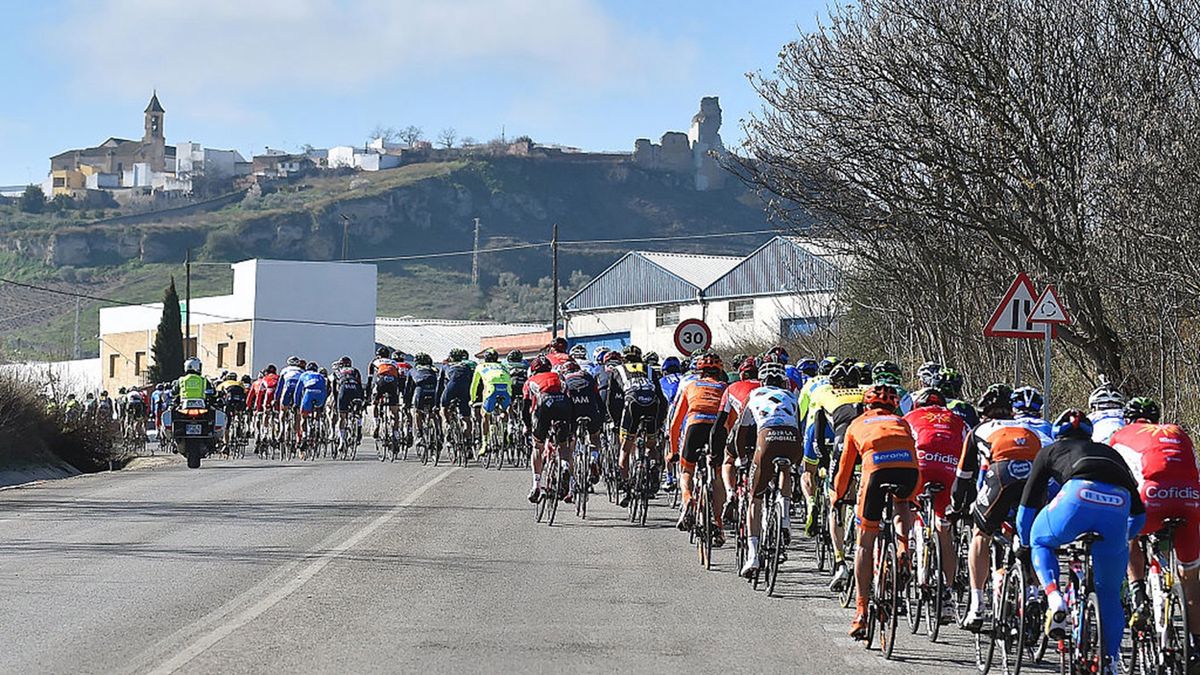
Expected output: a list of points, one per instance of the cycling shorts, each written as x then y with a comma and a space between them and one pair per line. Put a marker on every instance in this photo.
287, 398
347, 396
460, 400
1175, 500
234, 406
387, 390
935, 468
136, 410
632, 419
871, 498
499, 399
694, 440
312, 400
773, 442
593, 412
1000, 494
813, 455
552, 408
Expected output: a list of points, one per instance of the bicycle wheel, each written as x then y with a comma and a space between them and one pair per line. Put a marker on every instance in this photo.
935, 584
889, 603
743, 532
1008, 627
766, 544
1173, 645
550, 493
704, 526
1088, 655
915, 592
776, 551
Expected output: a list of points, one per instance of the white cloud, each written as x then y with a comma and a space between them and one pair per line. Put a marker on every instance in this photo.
227, 47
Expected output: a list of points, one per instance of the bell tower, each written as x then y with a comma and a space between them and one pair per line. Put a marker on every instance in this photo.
154, 141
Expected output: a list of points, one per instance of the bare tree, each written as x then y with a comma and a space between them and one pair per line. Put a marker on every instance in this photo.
447, 137
410, 134
387, 134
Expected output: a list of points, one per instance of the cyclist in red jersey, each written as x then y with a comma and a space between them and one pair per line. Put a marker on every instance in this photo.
557, 352
1162, 459
940, 435
732, 403
548, 402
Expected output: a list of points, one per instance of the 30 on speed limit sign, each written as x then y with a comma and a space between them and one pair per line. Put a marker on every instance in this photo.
691, 335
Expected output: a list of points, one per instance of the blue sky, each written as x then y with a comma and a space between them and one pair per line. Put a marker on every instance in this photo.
281, 73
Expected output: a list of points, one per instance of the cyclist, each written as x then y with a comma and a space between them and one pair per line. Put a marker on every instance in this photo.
135, 409
383, 381
285, 385
598, 355
768, 428
691, 426
1002, 449
311, 392
557, 352
672, 372
834, 407
348, 391
1027, 410
232, 394
420, 391
1163, 462
884, 442
780, 355
491, 387
579, 355
518, 373
887, 372
104, 408
581, 388
949, 381
1099, 495
1106, 411
807, 369
806, 392
548, 402
636, 392
454, 387
939, 437
733, 401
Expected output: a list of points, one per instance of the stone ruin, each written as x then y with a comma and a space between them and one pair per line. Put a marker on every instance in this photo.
689, 153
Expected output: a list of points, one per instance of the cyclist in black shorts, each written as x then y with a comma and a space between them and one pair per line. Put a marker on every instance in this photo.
635, 389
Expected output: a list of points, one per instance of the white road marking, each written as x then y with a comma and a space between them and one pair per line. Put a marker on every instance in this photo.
294, 584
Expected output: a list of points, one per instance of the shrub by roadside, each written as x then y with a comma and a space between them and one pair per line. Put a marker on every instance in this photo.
33, 430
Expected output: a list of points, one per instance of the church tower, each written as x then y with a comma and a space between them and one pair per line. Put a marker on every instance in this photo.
154, 141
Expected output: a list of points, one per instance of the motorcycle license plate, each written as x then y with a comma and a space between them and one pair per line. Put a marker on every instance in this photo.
193, 430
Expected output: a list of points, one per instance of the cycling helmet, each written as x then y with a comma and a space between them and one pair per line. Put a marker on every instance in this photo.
748, 368
779, 352
491, 355
926, 373
121, 390
346, 362
302, 363
928, 396
568, 366
845, 374
458, 354
996, 402
708, 361
650, 359
382, 353
192, 365
230, 376
1072, 423
540, 364
1027, 401
599, 352
864, 372
614, 357
423, 359
671, 365
324, 372
882, 396
579, 353
398, 356
886, 378
515, 356
808, 367
773, 374
826, 365
246, 380
312, 367
949, 381
886, 367
1142, 409
1105, 397
559, 345
271, 369
631, 353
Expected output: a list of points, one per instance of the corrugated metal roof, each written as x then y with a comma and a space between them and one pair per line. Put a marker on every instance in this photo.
782, 265
633, 280
697, 270
437, 337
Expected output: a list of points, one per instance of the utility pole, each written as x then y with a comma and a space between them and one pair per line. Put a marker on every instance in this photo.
475, 257
187, 305
554, 281
345, 234
75, 351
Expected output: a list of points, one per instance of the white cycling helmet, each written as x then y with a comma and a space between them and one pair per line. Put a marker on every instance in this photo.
192, 365
1106, 397
579, 353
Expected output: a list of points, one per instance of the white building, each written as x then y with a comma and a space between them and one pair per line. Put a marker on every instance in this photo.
316, 310
192, 159
784, 288
369, 159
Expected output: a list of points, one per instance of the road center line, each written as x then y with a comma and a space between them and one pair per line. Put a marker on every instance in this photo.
221, 631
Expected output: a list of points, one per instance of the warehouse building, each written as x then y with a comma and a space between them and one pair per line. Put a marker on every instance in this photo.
783, 289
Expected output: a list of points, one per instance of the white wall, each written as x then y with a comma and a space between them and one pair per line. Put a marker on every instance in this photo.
317, 293
72, 377
341, 156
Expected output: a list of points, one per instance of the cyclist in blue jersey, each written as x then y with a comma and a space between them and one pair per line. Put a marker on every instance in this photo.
1027, 410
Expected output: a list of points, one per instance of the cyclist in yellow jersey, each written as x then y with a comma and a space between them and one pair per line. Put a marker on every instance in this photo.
491, 386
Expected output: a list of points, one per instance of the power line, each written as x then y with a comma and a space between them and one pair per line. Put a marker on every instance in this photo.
635, 240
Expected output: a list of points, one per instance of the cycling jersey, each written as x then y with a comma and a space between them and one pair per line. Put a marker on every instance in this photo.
964, 410
1039, 426
285, 386
1078, 459
1105, 423
884, 443
939, 436
833, 409
769, 408
311, 391
347, 387
670, 386
421, 387
635, 384
733, 400
233, 393
1163, 462
454, 386
548, 403
556, 359
262, 392
698, 403
488, 379
806, 394
581, 388
996, 459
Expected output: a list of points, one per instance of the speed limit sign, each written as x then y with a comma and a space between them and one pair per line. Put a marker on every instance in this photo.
692, 335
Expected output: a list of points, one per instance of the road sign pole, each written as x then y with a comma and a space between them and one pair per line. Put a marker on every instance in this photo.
1049, 328
1017, 362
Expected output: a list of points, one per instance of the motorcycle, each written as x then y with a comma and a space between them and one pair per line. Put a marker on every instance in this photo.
196, 428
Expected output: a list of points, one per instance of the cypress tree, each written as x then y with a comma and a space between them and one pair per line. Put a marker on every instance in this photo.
168, 341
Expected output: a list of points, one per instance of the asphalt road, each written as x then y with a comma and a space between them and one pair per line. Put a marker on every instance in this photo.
261, 567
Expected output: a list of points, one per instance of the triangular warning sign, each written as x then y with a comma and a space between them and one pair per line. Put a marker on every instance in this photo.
1011, 318
1049, 309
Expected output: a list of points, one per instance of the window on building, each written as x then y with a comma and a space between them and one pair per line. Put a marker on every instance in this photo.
241, 354
798, 327
741, 310
666, 316
60, 181
222, 347
189, 347
112, 365
139, 363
